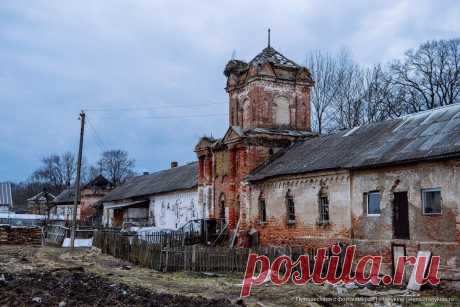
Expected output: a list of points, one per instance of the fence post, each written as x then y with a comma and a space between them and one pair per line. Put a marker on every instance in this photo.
193, 257
166, 260
184, 248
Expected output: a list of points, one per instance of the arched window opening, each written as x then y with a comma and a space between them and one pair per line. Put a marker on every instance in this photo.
290, 205
262, 208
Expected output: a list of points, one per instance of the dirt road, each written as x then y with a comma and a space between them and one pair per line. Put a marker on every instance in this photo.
45, 276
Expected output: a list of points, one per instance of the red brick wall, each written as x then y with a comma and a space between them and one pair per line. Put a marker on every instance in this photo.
261, 109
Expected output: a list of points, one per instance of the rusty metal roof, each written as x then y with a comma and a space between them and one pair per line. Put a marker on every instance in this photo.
6, 199
173, 179
427, 135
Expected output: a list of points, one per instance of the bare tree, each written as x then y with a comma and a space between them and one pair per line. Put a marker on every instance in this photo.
430, 76
324, 69
348, 110
57, 171
116, 166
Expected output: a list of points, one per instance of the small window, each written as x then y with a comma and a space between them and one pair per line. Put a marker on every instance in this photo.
262, 210
323, 209
290, 207
373, 203
432, 201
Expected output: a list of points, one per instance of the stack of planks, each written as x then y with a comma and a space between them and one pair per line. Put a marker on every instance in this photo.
20, 236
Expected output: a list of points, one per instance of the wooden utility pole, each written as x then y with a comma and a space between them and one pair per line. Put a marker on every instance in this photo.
77, 181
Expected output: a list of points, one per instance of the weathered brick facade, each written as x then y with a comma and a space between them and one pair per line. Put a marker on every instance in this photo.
269, 101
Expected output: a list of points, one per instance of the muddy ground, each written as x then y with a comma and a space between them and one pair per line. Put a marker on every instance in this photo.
46, 276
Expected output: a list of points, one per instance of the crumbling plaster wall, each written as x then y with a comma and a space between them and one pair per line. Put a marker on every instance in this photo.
439, 234
413, 179
305, 190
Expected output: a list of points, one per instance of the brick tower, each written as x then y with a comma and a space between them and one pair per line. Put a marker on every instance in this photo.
269, 109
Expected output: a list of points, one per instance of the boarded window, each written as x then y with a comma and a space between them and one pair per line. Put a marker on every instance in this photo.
262, 208
290, 207
373, 203
432, 201
282, 112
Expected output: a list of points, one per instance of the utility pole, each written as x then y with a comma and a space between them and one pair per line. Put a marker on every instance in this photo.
77, 181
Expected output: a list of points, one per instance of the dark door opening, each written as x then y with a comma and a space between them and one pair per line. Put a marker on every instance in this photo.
222, 206
400, 216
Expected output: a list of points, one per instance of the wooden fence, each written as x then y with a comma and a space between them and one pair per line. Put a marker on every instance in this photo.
55, 234
196, 258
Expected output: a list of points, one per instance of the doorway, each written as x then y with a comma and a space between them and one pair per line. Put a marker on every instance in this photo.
222, 206
400, 216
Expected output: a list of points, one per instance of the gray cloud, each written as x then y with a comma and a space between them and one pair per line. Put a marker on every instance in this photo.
57, 57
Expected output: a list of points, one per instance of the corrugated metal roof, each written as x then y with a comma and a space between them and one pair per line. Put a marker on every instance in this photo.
6, 198
420, 136
174, 179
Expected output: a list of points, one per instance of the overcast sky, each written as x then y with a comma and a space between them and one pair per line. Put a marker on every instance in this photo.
144, 61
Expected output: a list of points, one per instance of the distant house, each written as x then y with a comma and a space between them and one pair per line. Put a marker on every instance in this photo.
6, 199
165, 199
40, 203
90, 195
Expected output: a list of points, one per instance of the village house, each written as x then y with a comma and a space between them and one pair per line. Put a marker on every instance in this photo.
40, 203
392, 188
166, 199
90, 195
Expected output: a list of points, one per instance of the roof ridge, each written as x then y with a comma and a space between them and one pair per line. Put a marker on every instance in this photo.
431, 110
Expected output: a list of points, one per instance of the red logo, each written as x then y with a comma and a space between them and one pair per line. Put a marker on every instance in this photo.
283, 269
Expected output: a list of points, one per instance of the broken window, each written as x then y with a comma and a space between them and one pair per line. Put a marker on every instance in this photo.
432, 201
262, 208
373, 203
290, 207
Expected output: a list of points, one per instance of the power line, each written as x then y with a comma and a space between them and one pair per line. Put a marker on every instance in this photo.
173, 117
98, 139
138, 108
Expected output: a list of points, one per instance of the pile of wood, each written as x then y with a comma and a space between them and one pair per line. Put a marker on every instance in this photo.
20, 236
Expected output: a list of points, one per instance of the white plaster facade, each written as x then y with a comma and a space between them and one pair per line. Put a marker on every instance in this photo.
173, 210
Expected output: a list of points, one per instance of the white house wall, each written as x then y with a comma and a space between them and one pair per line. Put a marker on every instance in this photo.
172, 210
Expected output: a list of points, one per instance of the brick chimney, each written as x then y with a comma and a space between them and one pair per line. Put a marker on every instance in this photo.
174, 164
